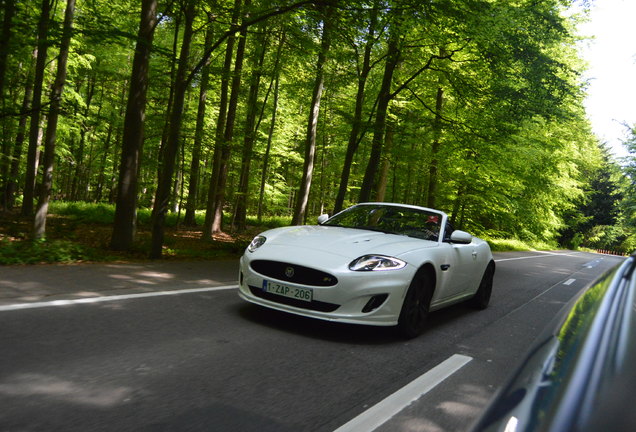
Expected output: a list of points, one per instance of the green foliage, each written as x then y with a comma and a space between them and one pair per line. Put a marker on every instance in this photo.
270, 221
509, 245
104, 214
508, 153
35, 252
85, 212
597, 221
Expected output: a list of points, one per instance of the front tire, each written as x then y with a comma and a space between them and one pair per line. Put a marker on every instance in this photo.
482, 296
414, 312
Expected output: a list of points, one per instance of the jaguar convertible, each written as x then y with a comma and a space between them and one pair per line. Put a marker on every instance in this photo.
378, 264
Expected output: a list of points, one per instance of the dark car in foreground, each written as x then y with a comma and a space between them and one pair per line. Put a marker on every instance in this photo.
580, 375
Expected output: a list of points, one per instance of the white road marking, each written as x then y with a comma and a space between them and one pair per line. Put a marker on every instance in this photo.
593, 264
569, 282
544, 255
66, 302
380, 413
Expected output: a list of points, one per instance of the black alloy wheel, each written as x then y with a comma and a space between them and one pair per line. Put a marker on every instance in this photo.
414, 313
482, 296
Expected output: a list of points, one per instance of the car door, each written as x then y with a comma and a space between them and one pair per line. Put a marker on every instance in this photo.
463, 271
460, 267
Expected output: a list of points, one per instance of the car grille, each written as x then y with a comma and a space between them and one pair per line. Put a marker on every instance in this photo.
293, 273
312, 305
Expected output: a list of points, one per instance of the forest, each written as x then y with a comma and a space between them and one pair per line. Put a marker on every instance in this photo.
237, 111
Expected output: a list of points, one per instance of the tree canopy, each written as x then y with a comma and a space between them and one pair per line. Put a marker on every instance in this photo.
296, 108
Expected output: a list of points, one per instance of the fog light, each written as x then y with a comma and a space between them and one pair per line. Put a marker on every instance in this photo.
374, 302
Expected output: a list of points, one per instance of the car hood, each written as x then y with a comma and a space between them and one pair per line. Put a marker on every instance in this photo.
346, 242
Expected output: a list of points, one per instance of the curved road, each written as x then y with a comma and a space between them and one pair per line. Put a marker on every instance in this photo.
170, 346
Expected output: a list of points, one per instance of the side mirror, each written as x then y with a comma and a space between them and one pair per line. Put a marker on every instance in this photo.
461, 237
322, 219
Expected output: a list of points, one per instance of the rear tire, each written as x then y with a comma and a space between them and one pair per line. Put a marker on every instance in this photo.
414, 312
482, 296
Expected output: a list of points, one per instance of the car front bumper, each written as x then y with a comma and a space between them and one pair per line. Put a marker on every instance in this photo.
372, 298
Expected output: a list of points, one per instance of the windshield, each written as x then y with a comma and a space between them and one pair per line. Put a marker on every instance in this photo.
411, 222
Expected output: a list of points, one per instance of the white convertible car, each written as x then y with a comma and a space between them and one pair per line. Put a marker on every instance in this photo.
374, 263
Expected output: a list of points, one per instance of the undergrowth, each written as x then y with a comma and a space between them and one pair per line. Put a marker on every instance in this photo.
33, 252
79, 231
509, 245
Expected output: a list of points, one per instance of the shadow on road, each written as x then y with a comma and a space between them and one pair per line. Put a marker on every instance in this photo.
340, 332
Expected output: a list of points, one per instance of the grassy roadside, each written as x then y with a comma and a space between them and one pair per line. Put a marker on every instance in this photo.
508, 245
80, 232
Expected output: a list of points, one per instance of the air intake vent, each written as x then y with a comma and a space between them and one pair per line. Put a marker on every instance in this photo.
374, 302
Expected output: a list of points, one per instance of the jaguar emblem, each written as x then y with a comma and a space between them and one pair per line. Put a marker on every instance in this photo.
289, 272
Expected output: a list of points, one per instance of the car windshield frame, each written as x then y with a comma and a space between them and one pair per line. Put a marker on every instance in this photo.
420, 223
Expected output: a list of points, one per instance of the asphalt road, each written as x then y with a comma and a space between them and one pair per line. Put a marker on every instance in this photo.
170, 346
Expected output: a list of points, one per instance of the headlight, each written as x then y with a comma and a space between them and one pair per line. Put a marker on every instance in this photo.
257, 242
376, 263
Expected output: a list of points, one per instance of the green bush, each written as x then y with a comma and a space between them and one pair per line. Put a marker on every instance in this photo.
42, 251
508, 245
85, 212
269, 221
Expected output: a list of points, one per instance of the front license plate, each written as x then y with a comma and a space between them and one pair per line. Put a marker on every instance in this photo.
304, 294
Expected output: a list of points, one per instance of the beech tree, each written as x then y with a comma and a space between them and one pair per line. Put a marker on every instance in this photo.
36, 107
224, 148
162, 195
285, 109
195, 164
133, 132
250, 129
39, 224
363, 70
312, 121
7, 23
212, 219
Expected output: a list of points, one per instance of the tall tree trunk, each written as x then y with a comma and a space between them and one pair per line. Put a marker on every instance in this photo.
132, 142
99, 189
168, 107
6, 151
195, 165
9, 10
39, 224
250, 131
80, 180
162, 196
221, 121
36, 107
272, 124
112, 182
14, 171
411, 166
457, 205
312, 123
324, 163
437, 133
354, 136
384, 98
226, 145
270, 135
386, 163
